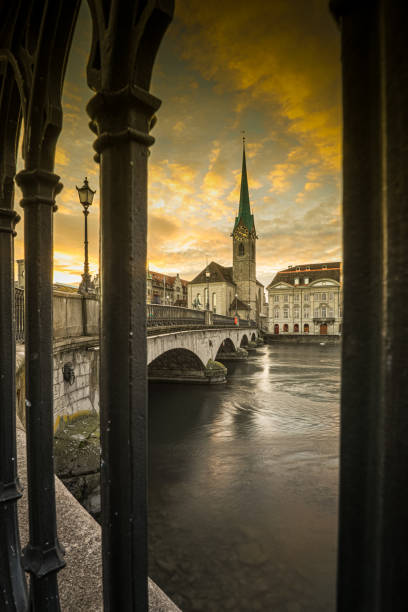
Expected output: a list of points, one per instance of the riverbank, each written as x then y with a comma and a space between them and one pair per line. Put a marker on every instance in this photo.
300, 339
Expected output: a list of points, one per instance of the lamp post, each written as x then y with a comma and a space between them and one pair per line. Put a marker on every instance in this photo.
85, 194
207, 276
236, 304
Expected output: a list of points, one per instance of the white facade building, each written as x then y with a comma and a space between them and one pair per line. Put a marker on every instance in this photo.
306, 299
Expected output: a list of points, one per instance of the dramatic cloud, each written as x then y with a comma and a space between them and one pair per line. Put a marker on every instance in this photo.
271, 69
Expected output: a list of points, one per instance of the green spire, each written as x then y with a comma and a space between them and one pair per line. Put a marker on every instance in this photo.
244, 211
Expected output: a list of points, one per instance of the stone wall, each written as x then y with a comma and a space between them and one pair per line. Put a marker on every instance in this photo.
80, 395
74, 315
301, 339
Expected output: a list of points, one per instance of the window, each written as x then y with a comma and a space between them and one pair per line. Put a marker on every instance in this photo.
296, 328
296, 297
306, 328
214, 302
276, 298
316, 312
331, 313
323, 297
276, 313
323, 312
297, 267
285, 327
206, 300
330, 297
296, 281
306, 297
286, 314
324, 267
286, 298
296, 313
241, 249
306, 314
306, 280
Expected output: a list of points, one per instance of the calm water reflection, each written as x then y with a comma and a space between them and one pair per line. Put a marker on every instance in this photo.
243, 484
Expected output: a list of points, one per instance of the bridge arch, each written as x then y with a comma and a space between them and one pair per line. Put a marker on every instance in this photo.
244, 341
176, 363
226, 346
253, 337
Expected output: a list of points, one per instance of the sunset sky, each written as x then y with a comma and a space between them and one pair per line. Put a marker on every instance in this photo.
269, 68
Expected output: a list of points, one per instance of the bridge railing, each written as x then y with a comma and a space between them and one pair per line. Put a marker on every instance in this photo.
222, 320
69, 313
159, 315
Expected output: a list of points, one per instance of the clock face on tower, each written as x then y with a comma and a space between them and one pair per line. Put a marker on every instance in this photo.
241, 232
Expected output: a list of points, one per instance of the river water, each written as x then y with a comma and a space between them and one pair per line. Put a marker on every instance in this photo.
243, 484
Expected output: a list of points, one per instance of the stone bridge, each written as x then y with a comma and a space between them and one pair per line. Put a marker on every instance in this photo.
194, 355
182, 346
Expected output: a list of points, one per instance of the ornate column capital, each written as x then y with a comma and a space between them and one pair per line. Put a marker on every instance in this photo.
8, 220
38, 187
122, 116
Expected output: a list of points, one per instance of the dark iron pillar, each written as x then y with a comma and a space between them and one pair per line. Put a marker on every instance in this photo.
122, 114
43, 555
13, 591
373, 534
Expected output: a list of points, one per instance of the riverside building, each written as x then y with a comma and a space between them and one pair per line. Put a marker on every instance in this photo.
306, 299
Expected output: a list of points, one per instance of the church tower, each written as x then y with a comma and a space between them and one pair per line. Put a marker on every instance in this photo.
244, 247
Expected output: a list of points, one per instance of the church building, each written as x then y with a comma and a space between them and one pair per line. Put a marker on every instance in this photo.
233, 290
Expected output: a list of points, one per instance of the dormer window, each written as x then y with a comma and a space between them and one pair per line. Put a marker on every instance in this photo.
298, 268
324, 267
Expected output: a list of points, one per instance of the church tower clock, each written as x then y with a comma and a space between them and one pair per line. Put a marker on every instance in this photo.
244, 247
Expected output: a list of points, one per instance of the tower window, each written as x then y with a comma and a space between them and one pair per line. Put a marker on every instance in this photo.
241, 249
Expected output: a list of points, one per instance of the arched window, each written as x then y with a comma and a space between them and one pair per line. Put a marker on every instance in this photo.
306, 328
296, 328
286, 327
241, 249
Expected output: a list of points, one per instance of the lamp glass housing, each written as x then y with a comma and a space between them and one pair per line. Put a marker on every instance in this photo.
85, 194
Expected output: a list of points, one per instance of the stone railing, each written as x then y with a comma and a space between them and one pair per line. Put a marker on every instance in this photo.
75, 315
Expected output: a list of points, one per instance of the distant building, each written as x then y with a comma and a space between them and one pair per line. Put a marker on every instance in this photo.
233, 290
165, 289
306, 299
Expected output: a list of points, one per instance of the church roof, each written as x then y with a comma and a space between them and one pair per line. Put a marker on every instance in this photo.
218, 274
312, 271
244, 211
238, 304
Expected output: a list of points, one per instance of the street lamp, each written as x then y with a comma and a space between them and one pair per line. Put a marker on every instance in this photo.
207, 276
85, 194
